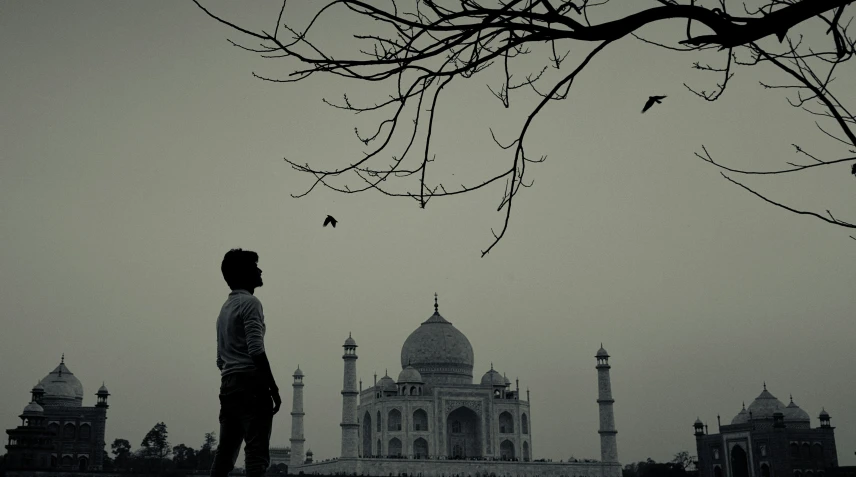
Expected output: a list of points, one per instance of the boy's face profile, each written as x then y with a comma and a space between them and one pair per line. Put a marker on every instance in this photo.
257, 275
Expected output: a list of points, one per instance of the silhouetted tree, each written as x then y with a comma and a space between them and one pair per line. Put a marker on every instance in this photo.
3, 465
205, 456
121, 448
184, 457
684, 460
429, 43
155, 445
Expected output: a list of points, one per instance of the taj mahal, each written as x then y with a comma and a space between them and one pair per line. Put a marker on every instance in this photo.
435, 421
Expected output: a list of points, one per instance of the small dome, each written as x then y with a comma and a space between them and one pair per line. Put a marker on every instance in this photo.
33, 408
507, 381
38, 387
409, 375
824, 414
601, 353
102, 389
793, 413
386, 382
298, 372
698, 422
742, 417
309, 452
350, 341
492, 377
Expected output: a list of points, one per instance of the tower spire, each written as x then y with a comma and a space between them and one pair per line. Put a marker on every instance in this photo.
608, 447
297, 439
436, 307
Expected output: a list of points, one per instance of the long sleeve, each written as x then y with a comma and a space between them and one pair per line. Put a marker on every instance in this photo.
254, 327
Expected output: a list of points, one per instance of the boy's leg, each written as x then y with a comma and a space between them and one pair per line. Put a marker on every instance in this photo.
231, 428
258, 423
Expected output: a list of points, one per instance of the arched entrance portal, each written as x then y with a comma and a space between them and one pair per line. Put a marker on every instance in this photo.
367, 435
463, 434
420, 448
739, 462
506, 450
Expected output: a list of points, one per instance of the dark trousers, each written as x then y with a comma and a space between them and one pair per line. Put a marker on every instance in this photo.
246, 414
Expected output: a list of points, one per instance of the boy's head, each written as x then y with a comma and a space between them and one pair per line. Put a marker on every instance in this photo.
240, 269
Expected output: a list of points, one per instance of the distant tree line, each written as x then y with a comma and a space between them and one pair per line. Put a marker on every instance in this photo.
682, 465
156, 456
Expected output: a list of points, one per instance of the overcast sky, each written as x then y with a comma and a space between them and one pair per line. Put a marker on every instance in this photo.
137, 148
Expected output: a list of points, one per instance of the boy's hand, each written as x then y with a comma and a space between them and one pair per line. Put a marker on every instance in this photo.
277, 401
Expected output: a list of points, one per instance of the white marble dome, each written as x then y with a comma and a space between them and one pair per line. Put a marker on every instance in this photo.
439, 352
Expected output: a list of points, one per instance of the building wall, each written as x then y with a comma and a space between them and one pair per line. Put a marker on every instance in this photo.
448, 468
776, 452
437, 406
93, 447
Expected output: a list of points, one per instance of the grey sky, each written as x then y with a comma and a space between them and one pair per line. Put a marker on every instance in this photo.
137, 148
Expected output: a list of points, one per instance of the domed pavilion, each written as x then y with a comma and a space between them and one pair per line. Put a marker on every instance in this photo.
57, 431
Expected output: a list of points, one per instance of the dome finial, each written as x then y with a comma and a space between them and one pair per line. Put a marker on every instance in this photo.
765, 385
744, 405
792, 398
62, 361
436, 308
491, 365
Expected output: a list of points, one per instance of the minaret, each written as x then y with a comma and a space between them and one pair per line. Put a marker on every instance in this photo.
297, 420
608, 447
349, 400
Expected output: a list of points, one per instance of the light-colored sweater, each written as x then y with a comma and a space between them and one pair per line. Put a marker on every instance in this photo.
240, 333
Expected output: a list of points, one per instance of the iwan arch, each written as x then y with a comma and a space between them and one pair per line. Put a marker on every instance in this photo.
434, 421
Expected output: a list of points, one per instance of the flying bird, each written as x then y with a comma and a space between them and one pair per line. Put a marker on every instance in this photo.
651, 101
330, 220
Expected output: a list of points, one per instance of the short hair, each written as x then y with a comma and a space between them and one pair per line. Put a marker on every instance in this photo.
236, 265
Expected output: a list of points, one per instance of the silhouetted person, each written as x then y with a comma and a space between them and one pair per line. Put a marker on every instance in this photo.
249, 396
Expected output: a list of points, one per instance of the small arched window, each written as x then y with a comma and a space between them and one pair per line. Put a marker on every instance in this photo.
456, 427
524, 423
394, 420
794, 449
420, 420
68, 431
85, 431
506, 423
378, 421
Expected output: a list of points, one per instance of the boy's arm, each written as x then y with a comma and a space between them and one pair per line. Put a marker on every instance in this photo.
255, 341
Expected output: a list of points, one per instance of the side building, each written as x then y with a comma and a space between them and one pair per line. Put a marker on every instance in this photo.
768, 439
57, 432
